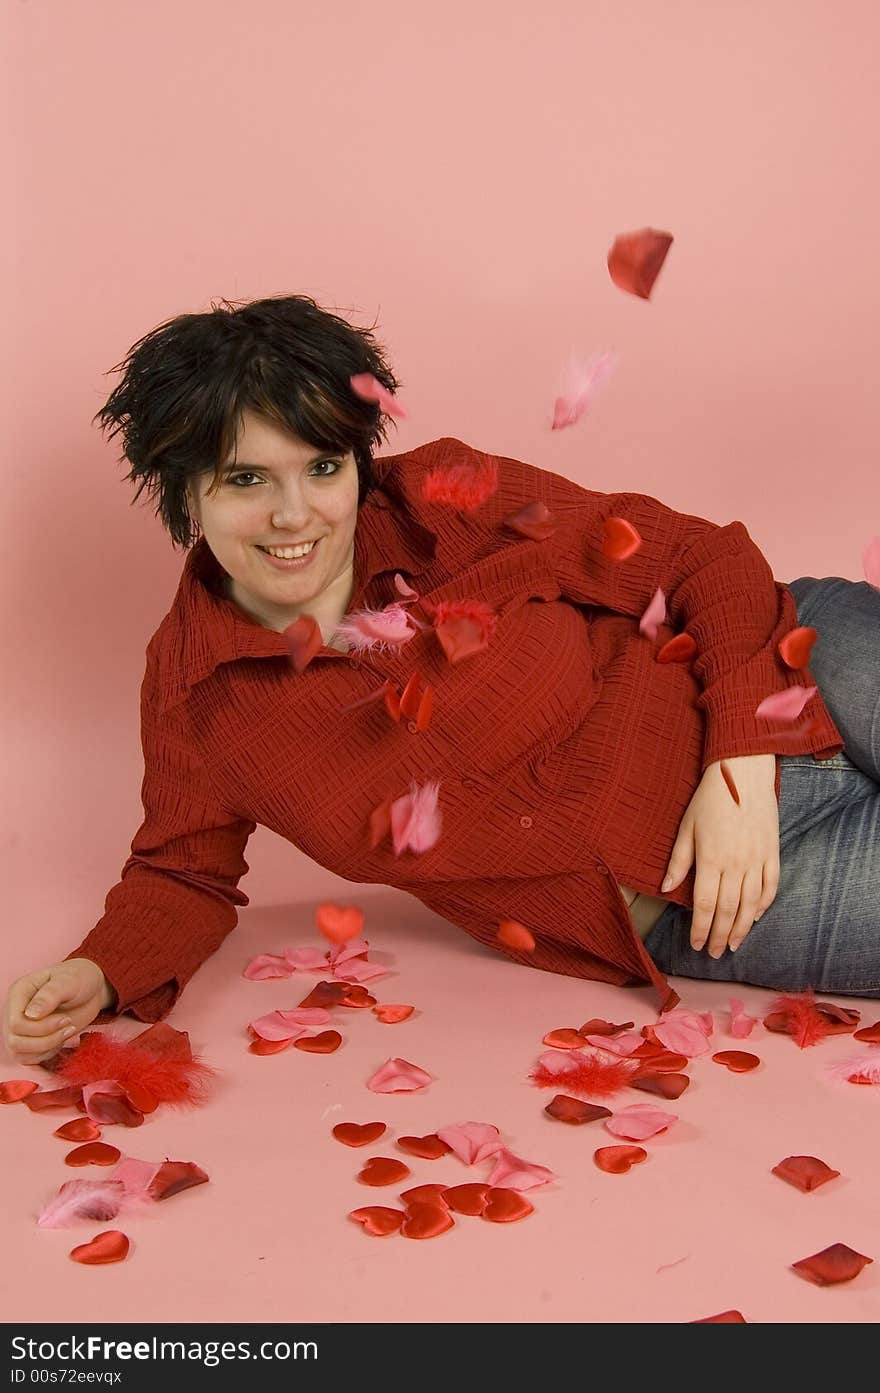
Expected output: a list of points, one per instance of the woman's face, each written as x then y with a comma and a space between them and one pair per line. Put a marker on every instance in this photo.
280, 492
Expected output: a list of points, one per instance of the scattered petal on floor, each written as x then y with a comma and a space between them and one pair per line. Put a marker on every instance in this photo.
326, 994
266, 966
358, 1133
512, 1172
869, 1034
669, 1086
564, 1038
424, 1194
617, 1160
624, 1043
287, 1025
467, 1199
94, 1153
685, 1032
377, 1219
639, 1121
392, 1014
805, 1172
173, 1176
15, 1090
737, 1061
574, 1110
741, 1023
505, 1206
383, 1170
858, 1068
109, 1246
635, 260
48, 1100
426, 1221
327, 1042
259, 1046
472, 1142
398, 1076
596, 1026
429, 1148
838, 1263
80, 1129
654, 1059
723, 1318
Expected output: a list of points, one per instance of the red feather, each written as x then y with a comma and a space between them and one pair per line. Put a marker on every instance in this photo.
159, 1062
464, 485
807, 1021
588, 1073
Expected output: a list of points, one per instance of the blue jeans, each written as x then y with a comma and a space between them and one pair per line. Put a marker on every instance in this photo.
823, 928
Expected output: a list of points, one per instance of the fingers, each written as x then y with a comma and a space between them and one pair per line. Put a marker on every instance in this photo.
706, 885
33, 1049
724, 915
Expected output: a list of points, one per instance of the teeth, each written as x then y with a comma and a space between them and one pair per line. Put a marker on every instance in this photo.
289, 553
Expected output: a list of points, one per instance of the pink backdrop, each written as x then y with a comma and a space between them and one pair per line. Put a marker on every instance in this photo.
459, 172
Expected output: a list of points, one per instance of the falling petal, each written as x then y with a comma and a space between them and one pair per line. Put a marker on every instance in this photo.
304, 639
730, 781
620, 539
679, 649
787, 705
533, 521
583, 379
416, 819
654, 615
795, 646
366, 386
741, 1024
805, 1172
464, 627
635, 260
339, 924
515, 935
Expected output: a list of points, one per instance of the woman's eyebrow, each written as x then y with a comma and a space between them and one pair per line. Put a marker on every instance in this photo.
267, 469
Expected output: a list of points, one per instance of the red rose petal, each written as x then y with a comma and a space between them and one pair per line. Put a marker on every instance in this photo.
664, 1085
94, 1153
564, 1039
174, 1176
80, 1129
723, 1318
114, 1107
835, 1264
429, 1148
574, 1110
109, 1246
270, 1046
383, 1170
656, 1059
356, 996
424, 1194
506, 1206
870, 1034
358, 1133
620, 539
635, 259
534, 521
679, 649
467, 1199
616, 1160
806, 1172
377, 1219
426, 1221
326, 1042
515, 935
597, 1026
326, 994
71, 1097
737, 1061
141, 1098
795, 646
14, 1090
392, 1015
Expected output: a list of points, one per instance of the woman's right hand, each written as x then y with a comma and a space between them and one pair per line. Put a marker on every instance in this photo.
45, 1008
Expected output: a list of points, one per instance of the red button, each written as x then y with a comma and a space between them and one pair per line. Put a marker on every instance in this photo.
525, 822
411, 727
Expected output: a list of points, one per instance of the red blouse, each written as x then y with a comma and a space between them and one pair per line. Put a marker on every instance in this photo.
565, 754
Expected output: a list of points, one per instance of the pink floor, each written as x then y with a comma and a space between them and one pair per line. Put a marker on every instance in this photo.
700, 1228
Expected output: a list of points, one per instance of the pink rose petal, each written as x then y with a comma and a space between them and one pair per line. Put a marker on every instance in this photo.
685, 1032
622, 1044
398, 1076
289, 1025
266, 965
740, 1022
359, 971
639, 1121
472, 1141
786, 705
513, 1173
344, 952
305, 959
654, 615
136, 1176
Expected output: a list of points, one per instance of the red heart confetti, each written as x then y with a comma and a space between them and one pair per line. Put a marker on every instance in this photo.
664, 1085
358, 1133
838, 1263
392, 1015
426, 1221
737, 1061
357, 996
723, 1318
424, 1194
870, 1034
109, 1246
377, 1219
616, 1160
506, 1206
565, 1038
326, 1042
806, 1172
429, 1148
467, 1199
794, 648
574, 1110
679, 649
14, 1090
338, 924
515, 935
326, 994
94, 1153
383, 1170
270, 1046
80, 1129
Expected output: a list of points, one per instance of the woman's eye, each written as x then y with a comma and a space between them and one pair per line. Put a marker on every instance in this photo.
249, 474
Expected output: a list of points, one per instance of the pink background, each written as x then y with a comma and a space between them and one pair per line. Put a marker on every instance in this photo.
460, 173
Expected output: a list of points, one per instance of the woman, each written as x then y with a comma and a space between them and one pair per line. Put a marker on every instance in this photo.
573, 770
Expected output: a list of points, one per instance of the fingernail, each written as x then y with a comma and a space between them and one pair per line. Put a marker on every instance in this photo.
33, 1014
698, 947
667, 883
67, 1033
65, 1021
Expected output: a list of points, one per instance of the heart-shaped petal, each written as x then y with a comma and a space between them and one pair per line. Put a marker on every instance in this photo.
94, 1153
109, 1246
326, 994
669, 1086
80, 1129
426, 1221
573, 1110
515, 935
639, 1121
505, 1206
392, 1015
383, 1170
838, 1263
424, 1194
737, 1061
398, 1076
795, 646
327, 1042
339, 924
467, 1199
358, 1133
512, 1172
617, 1160
14, 1090
472, 1142
356, 996
259, 1046
870, 1034
429, 1148
564, 1038
377, 1219
805, 1172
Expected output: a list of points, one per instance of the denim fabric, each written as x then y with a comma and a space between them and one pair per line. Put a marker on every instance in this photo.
823, 928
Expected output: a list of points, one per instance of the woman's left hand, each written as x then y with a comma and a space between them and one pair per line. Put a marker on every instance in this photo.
736, 848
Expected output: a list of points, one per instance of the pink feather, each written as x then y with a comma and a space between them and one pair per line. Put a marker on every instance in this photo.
582, 381
388, 628
83, 1199
787, 705
416, 819
858, 1068
654, 615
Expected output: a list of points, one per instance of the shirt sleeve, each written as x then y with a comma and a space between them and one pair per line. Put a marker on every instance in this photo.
177, 896
718, 586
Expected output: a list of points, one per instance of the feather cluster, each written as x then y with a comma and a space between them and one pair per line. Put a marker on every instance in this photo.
586, 1072
464, 486
807, 1021
388, 628
159, 1062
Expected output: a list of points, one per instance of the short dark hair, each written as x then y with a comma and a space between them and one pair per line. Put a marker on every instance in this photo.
187, 382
